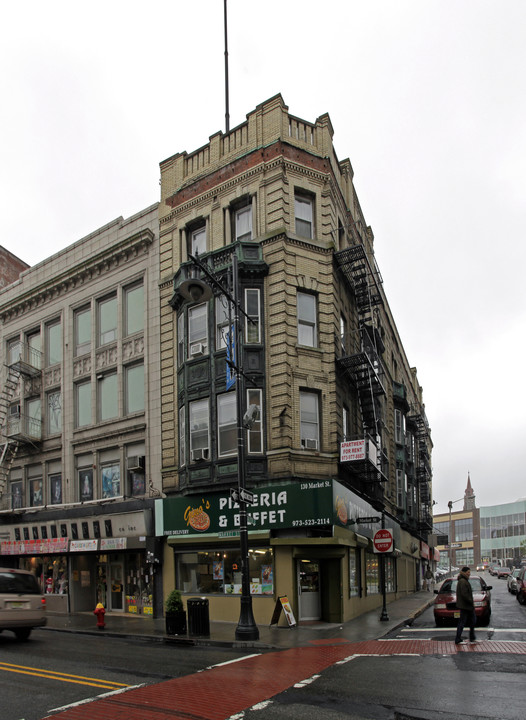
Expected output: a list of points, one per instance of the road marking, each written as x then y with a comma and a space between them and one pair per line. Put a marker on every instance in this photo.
53, 711
62, 677
453, 627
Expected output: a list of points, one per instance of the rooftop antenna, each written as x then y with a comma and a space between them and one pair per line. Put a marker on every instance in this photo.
227, 113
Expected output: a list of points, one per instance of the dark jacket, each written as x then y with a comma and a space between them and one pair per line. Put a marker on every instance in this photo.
464, 593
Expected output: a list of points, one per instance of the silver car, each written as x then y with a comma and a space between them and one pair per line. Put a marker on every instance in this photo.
512, 581
22, 604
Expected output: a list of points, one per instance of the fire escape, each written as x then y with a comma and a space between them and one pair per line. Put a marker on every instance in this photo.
423, 473
364, 368
16, 427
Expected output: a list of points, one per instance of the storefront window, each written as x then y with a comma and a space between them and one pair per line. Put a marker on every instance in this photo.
390, 574
372, 574
51, 572
354, 573
220, 572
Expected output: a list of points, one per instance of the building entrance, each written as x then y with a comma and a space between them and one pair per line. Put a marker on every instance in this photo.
309, 590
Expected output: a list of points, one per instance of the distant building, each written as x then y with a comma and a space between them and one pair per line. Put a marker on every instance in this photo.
80, 419
491, 534
10, 267
339, 427
460, 529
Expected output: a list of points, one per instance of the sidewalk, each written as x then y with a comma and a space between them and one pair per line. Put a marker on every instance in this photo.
365, 627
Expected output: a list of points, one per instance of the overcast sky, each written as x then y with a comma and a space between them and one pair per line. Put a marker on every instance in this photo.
428, 102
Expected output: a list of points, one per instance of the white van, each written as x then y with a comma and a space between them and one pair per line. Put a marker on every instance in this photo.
22, 604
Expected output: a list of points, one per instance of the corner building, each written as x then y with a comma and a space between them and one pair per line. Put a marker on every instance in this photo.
339, 434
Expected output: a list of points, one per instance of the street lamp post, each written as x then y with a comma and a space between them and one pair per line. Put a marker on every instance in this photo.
197, 290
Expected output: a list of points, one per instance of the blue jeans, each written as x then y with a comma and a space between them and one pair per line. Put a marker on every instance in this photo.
467, 617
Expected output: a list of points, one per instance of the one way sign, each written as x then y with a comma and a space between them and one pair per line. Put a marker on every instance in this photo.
240, 494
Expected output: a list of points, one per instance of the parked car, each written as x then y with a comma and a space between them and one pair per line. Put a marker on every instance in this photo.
493, 569
22, 604
503, 572
512, 580
445, 607
521, 586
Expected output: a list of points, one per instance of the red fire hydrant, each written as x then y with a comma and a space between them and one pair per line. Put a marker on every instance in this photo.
99, 612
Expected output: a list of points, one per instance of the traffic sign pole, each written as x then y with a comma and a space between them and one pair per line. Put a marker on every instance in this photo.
384, 616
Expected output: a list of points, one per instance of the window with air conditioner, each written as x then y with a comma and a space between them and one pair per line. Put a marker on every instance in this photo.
200, 454
197, 330
309, 420
199, 428
135, 463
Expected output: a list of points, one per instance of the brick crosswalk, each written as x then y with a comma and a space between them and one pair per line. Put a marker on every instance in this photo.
223, 691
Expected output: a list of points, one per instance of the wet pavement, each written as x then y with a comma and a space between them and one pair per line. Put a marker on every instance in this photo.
299, 653
365, 627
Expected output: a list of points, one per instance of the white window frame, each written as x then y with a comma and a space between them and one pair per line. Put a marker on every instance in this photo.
346, 422
307, 310
303, 215
399, 426
110, 334
199, 425
243, 222
198, 240
222, 321
82, 348
253, 311
197, 329
226, 424
182, 436
254, 396
84, 402
309, 419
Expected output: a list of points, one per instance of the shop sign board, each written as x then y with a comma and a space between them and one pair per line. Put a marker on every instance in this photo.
307, 504
34, 547
383, 541
358, 451
83, 545
113, 543
282, 603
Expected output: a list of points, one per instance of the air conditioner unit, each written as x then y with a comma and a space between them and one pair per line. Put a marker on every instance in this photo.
310, 444
136, 463
14, 409
200, 454
197, 349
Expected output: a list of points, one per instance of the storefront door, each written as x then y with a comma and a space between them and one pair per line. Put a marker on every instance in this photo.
117, 586
309, 590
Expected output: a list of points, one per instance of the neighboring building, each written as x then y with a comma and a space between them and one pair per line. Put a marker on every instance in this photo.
80, 419
339, 432
463, 527
10, 267
503, 533
495, 534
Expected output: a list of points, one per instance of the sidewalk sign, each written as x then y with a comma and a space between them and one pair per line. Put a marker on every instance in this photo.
282, 603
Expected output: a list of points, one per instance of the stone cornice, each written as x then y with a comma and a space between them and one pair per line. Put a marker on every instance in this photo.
56, 285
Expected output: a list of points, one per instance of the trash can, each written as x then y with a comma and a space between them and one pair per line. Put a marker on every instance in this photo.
198, 616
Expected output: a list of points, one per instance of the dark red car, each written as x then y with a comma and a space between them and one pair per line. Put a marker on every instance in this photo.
445, 607
521, 586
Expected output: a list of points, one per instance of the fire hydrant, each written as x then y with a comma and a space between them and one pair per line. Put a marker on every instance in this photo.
99, 612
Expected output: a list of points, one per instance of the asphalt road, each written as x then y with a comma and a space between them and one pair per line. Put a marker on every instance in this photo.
55, 669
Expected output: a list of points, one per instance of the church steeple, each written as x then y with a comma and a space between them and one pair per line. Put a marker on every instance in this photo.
469, 497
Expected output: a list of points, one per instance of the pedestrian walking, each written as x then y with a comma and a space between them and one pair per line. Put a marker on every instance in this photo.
466, 606
430, 579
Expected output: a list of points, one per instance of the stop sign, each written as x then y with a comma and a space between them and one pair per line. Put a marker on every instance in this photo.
383, 541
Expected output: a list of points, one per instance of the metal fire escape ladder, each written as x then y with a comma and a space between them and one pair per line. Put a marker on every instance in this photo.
423, 466
8, 448
364, 368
